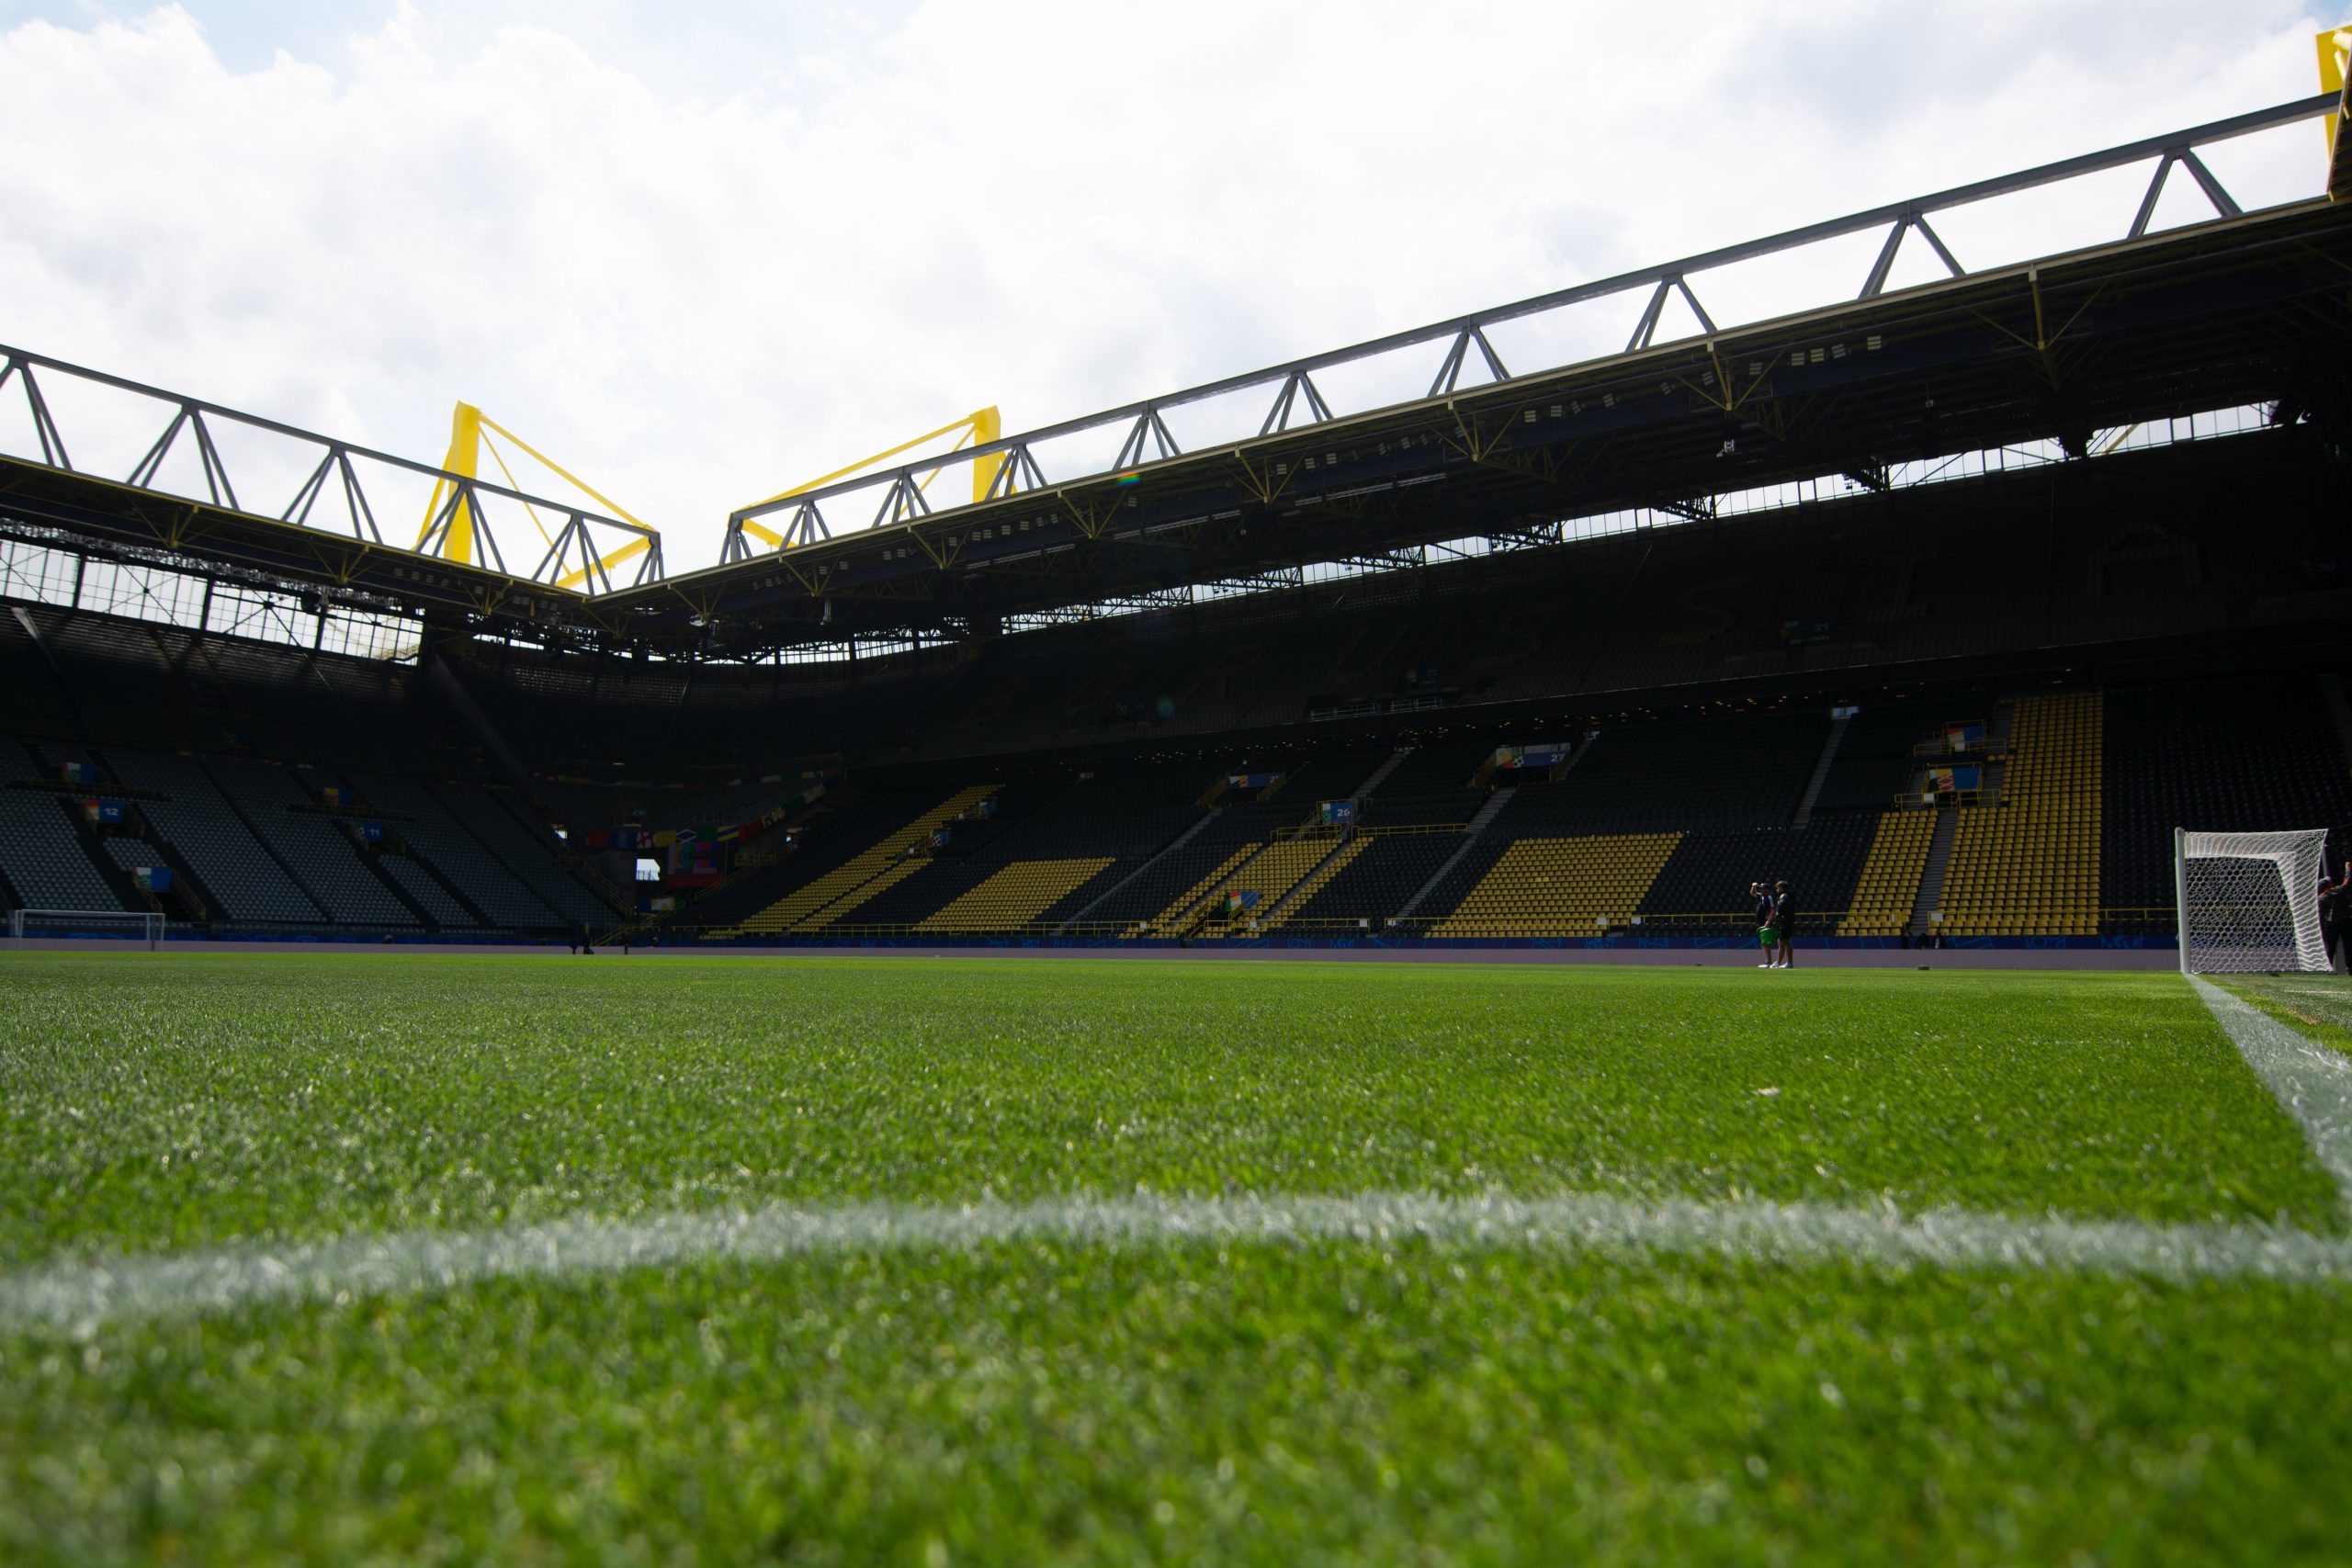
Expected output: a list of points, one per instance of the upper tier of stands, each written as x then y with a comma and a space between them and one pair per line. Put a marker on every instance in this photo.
2144, 549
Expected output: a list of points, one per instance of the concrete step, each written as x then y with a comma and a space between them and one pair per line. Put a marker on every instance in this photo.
1931, 876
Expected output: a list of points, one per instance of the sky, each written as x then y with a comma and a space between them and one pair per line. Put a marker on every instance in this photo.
700, 261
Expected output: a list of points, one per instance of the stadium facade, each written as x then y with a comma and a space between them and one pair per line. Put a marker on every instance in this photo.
1948, 602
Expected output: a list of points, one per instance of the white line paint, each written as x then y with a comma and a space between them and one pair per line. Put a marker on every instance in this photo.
2313, 1082
83, 1294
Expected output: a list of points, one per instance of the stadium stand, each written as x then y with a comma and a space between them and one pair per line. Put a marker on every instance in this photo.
1874, 762
824, 900
2029, 865
1375, 885
248, 880
532, 851
1174, 893
2231, 756
1888, 887
439, 905
1432, 785
820, 845
1335, 858
1190, 906
1695, 670
1127, 816
38, 704
317, 850
1703, 884
1560, 888
1016, 896
42, 859
975, 849
427, 828
129, 855
1264, 880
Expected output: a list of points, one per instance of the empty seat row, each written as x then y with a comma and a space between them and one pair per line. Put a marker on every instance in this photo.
317, 848
41, 855
426, 826
191, 814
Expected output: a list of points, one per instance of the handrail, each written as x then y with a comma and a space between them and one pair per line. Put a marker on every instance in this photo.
1930, 797
1706, 922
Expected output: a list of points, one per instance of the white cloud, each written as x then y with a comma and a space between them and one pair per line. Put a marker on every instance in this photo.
697, 294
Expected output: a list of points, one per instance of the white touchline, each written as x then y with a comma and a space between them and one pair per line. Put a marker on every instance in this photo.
2313, 1082
81, 1296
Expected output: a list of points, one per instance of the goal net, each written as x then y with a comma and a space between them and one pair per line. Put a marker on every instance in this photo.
2249, 901
144, 927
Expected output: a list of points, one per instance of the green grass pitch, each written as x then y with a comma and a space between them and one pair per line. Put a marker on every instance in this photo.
1058, 1399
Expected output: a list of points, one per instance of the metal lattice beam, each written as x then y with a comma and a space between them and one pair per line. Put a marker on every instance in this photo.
332, 477
1297, 399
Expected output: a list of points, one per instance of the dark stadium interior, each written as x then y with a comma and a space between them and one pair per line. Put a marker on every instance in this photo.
1735, 696
1948, 602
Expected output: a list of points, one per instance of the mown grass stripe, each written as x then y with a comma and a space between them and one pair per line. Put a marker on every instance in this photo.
83, 1294
2313, 1082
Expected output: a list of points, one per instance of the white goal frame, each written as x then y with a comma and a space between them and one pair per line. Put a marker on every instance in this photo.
2254, 907
151, 924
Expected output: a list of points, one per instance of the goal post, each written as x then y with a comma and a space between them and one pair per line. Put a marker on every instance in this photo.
2249, 901
143, 925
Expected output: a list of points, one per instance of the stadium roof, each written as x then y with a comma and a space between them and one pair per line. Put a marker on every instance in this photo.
2244, 308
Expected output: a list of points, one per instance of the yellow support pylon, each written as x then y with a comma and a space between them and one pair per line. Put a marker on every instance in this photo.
2334, 48
978, 428
468, 425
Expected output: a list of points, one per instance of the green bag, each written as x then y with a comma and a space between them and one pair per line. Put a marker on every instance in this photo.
1767, 936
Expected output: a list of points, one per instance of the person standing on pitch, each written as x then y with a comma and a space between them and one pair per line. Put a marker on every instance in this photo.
1784, 920
1762, 898
2333, 898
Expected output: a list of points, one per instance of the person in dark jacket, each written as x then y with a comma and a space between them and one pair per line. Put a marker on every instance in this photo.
1760, 896
2334, 899
1784, 920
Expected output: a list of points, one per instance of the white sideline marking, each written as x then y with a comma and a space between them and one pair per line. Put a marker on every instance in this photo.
81, 1296
2313, 1082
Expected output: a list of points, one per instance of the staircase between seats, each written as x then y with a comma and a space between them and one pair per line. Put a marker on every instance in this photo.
1396, 759
1178, 842
1932, 878
1470, 837
1803, 816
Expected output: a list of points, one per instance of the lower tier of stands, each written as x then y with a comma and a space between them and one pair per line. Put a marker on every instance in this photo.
2054, 821
2048, 814
234, 845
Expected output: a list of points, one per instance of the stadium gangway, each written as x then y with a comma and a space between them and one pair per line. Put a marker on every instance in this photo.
1295, 400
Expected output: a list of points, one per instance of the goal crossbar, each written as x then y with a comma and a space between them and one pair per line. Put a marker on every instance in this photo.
77, 923
2249, 901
